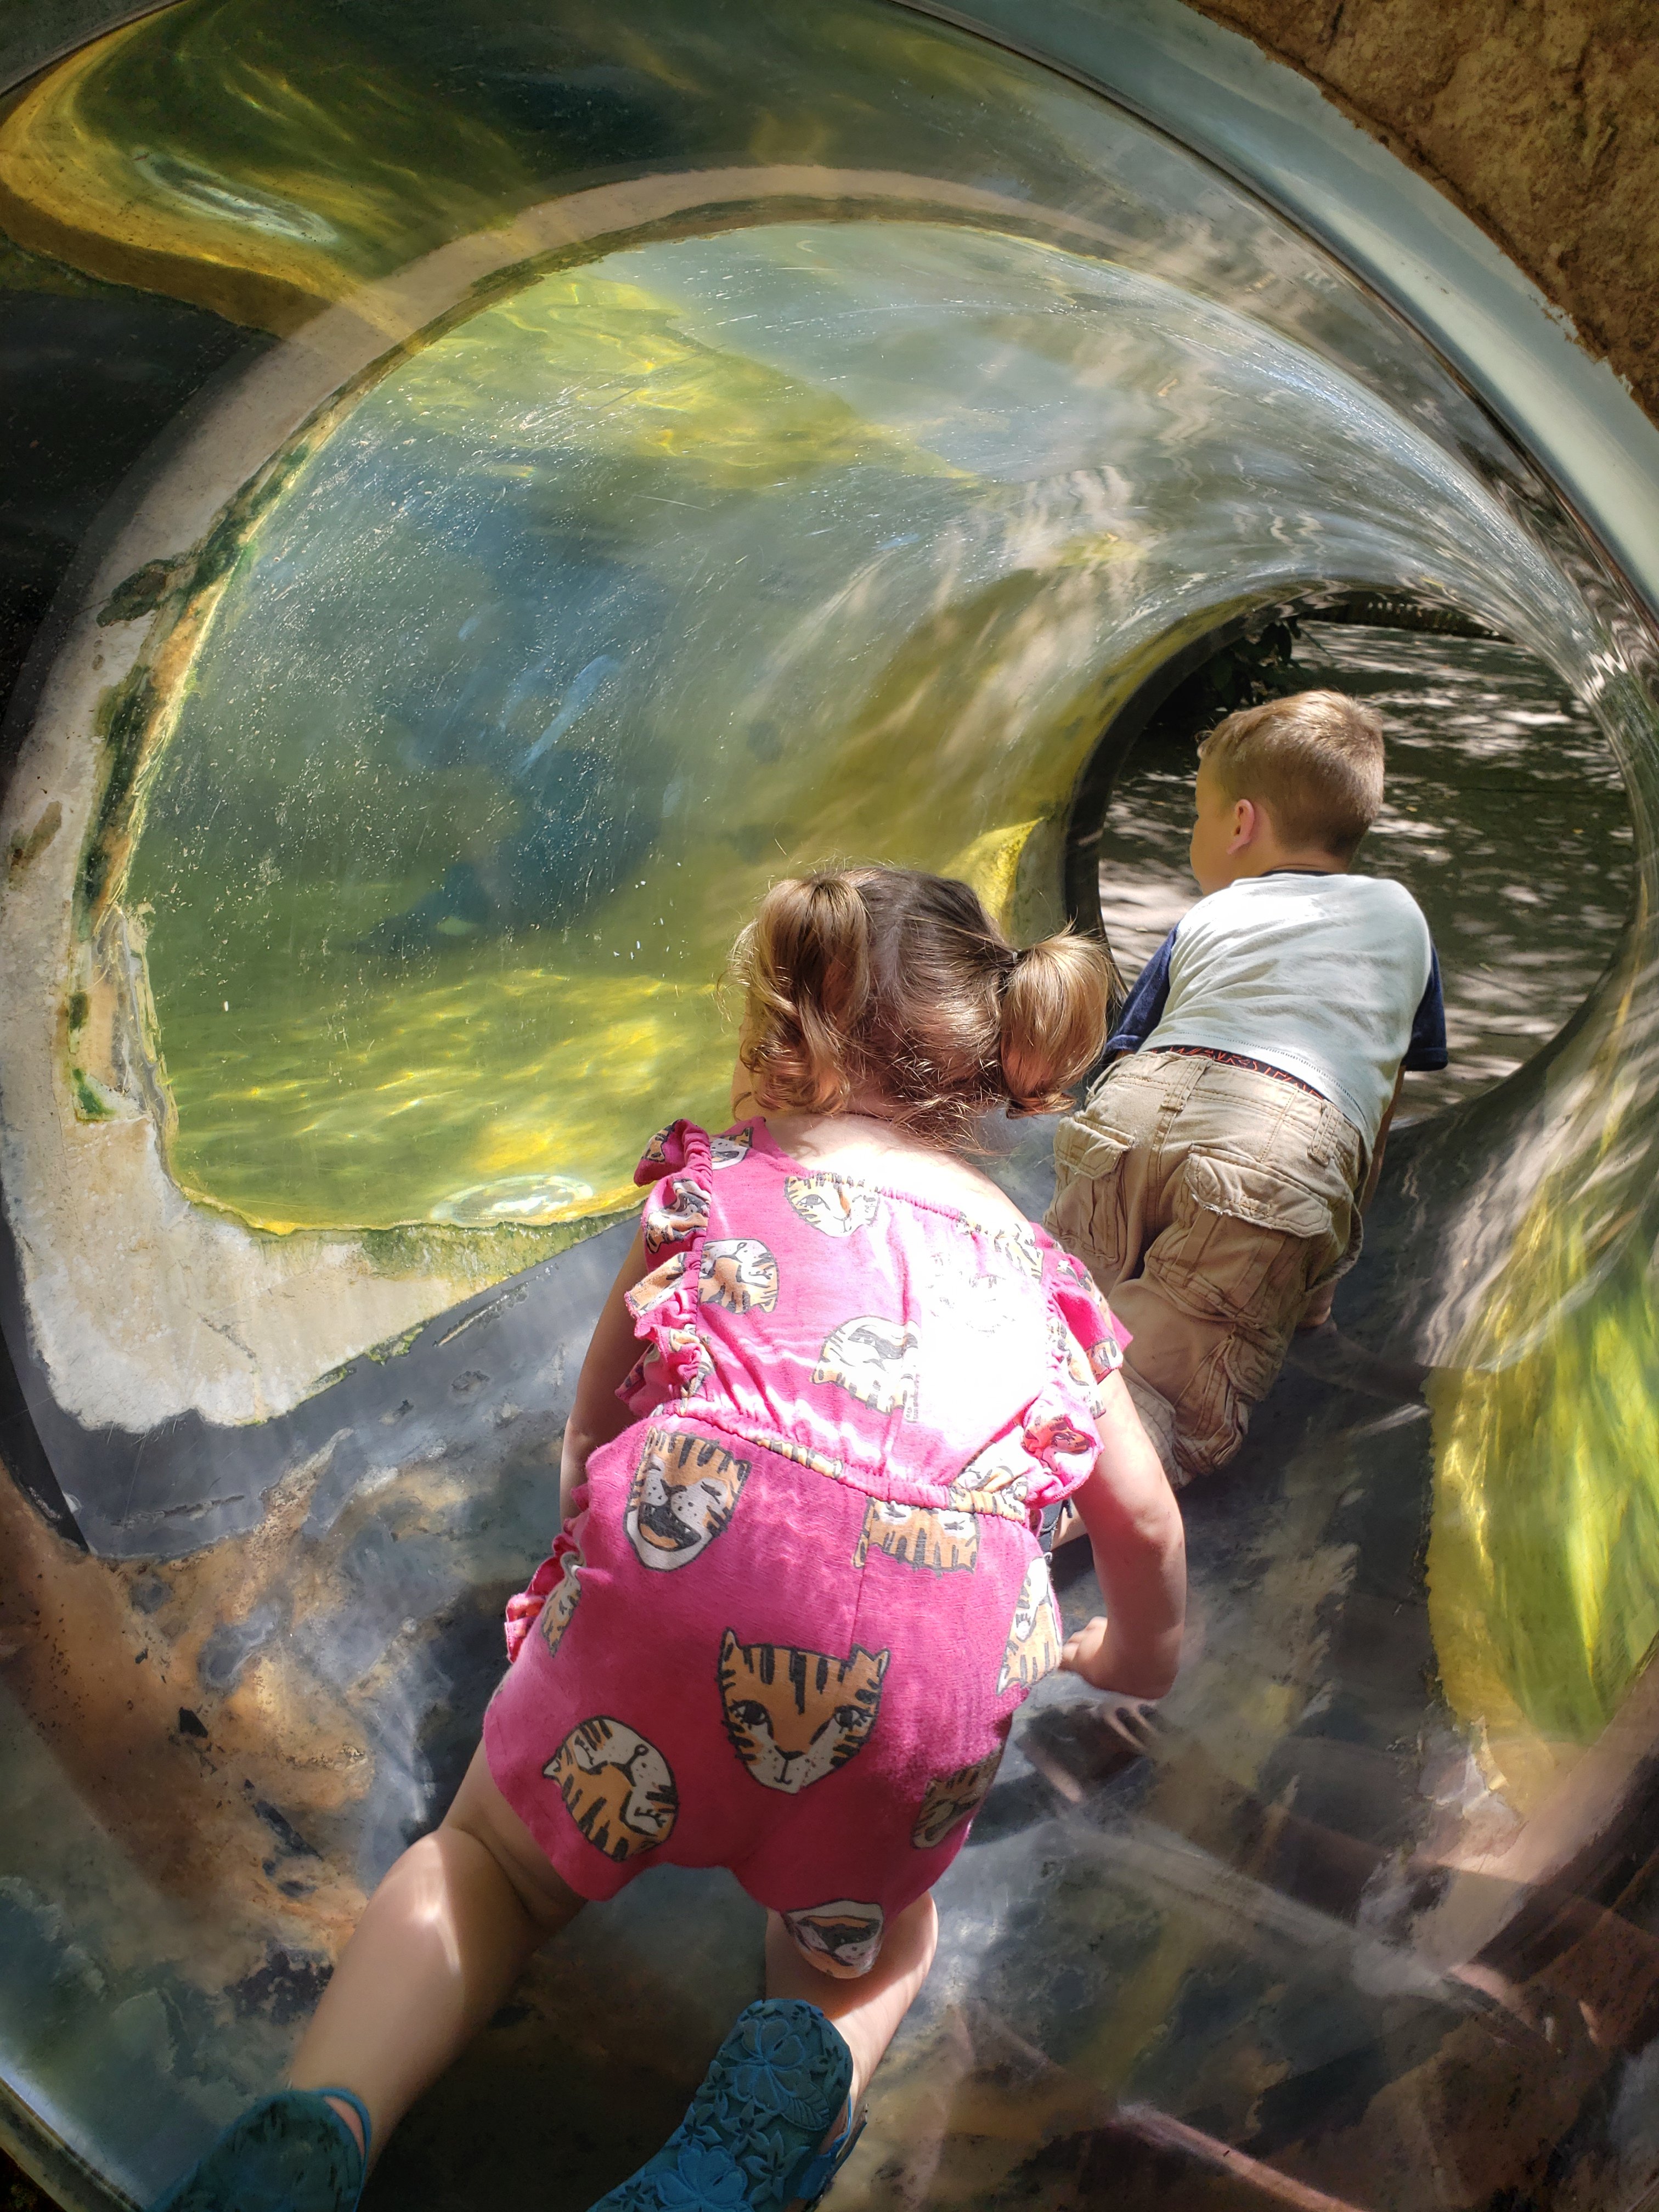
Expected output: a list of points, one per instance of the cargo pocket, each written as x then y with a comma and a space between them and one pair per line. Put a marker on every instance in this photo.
1247, 1243
1090, 1214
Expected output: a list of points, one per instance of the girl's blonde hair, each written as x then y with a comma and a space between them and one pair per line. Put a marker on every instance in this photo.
887, 981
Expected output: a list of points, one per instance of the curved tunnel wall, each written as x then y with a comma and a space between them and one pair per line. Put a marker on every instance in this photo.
325, 1663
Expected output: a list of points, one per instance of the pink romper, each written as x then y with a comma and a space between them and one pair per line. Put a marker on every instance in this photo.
799, 1600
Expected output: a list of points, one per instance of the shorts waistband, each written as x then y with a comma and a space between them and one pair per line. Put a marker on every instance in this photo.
1239, 1060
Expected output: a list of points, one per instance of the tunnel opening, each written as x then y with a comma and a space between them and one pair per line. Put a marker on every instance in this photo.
1506, 815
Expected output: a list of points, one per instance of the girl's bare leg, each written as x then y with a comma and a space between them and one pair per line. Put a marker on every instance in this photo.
443, 1940
868, 2008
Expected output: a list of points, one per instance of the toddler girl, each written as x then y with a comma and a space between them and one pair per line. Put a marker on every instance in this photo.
800, 1591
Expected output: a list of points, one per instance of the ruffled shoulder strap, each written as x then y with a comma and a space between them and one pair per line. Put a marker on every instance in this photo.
1089, 1337
678, 1164
675, 1145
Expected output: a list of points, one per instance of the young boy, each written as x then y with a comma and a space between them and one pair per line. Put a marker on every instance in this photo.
1214, 1182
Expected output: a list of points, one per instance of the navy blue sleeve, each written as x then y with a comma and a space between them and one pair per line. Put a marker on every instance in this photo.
1143, 1010
1428, 1046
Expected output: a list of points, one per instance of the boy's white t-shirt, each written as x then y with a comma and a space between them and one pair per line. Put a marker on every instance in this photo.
1332, 978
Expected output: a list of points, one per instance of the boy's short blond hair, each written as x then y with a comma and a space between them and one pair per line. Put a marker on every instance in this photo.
1314, 761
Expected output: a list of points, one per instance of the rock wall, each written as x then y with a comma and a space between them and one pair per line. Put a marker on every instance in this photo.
1539, 119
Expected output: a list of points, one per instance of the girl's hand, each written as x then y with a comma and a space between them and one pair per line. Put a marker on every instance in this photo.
1082, 1654
1097, 1655
1134, 1523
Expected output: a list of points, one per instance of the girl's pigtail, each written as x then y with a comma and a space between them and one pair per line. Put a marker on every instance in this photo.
1058, 1000
805, 962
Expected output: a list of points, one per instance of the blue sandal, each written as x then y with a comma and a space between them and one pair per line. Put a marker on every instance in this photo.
290, 2153
749, 2140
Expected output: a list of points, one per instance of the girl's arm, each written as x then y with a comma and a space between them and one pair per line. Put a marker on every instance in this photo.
1134, 1528
598, 1413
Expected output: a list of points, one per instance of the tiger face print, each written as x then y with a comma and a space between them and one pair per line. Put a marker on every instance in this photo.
732, 1150
828, 1203
1020, 1248
802, 1455
873, 1361
1104, 1358
695, 1370
1063, 1439
655, 1154
678, 1209
651, 1291
616, 1787
1068, 1351
560, 1603
793, 1716
953, 1798
683, 1493
1034, 1643
739, 1273
920, 1535
995, 1480
846, 1935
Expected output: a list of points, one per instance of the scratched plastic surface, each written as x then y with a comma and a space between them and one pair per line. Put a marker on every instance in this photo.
654, 537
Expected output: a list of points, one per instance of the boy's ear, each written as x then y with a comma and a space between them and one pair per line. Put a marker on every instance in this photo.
1247, 821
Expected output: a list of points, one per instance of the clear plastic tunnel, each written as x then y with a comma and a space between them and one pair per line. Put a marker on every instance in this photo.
490, 489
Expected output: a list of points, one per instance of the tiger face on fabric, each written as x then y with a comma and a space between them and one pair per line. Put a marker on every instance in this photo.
731, 1152
873, 1361
678, 1208
616, 1787
794, 1716
655, 1289
1035, 1642
560, 1603
1020, 1248
953, 1798
919, 1537
995, 1480
845, 1933
675, 1363
684, 1492
831, 1204
737, 1275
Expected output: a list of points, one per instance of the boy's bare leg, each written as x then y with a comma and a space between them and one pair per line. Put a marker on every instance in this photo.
443, 1940
868, 2008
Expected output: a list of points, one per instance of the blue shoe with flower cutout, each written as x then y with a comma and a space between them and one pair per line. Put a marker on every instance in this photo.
749, 2141
290, 2153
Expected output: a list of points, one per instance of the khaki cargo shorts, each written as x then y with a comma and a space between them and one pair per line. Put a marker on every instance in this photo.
1208, 1202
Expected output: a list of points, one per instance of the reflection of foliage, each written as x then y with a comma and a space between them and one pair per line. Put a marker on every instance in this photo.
632, 384
261, 156
1543, 1560
1253, 668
